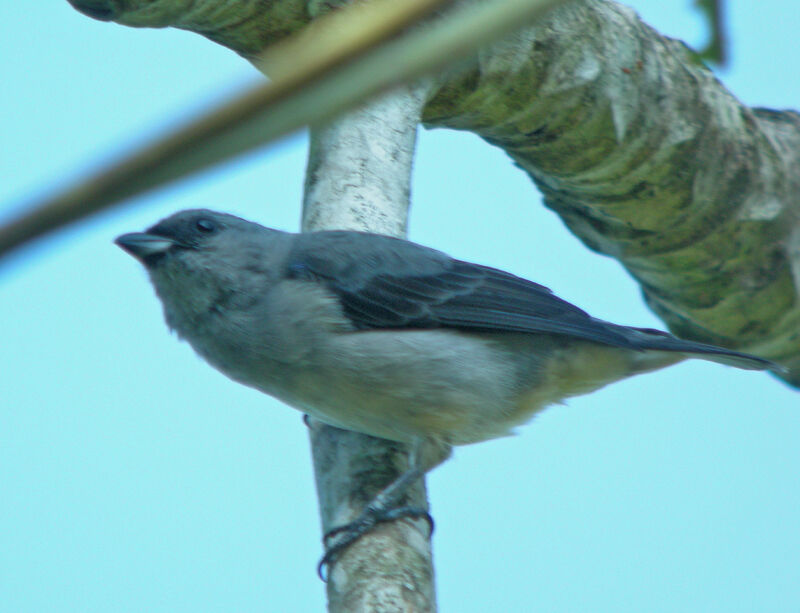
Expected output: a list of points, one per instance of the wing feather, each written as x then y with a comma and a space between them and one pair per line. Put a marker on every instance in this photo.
386, 283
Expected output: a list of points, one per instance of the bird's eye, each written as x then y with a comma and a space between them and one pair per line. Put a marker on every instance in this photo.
206, 225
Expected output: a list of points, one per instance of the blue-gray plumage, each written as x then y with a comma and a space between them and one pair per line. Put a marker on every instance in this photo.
386, 337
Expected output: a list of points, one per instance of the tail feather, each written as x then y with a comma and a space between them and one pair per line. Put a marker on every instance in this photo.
645, 338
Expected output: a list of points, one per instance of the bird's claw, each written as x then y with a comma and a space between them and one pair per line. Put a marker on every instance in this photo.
346, 534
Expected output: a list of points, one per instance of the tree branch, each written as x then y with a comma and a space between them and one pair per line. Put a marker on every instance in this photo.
358, 178
648, 159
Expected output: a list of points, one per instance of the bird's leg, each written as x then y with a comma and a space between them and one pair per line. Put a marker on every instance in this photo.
384, 507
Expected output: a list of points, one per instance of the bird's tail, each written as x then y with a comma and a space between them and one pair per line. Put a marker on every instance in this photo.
646, 338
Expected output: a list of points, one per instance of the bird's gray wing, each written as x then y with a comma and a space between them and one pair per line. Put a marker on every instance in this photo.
388, 283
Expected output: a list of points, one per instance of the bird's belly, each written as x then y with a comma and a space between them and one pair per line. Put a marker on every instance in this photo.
407, 385
455, 387
381, 412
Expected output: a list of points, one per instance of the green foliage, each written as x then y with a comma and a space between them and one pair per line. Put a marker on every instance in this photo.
716, 50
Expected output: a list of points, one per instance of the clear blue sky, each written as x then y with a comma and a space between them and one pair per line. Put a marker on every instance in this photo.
133, 477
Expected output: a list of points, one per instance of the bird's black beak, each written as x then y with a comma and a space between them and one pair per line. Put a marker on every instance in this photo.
145, 246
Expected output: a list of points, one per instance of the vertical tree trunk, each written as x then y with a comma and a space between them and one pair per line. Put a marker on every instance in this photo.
358, 178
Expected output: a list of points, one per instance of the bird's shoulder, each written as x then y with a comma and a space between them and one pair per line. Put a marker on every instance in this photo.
353, 259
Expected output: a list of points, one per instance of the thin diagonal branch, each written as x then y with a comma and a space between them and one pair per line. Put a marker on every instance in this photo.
339, 74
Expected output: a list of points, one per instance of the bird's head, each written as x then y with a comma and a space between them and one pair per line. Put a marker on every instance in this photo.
201, 260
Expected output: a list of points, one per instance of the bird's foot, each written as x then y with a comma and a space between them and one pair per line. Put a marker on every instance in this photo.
340, 538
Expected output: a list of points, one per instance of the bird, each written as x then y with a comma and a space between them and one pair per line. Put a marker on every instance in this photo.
387, 337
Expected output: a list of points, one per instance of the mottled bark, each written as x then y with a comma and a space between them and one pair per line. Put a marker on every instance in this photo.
648, 159
246, 26
641, 151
